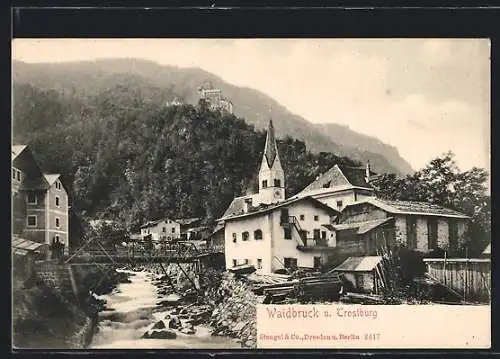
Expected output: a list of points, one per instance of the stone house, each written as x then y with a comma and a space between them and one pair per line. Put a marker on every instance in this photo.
419, 226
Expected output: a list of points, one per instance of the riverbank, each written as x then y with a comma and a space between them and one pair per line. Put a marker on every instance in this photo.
147, 313
46, 315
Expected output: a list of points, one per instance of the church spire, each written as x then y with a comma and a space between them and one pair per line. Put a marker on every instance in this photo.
270, 151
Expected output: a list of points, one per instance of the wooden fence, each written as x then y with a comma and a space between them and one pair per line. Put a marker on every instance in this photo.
469, 277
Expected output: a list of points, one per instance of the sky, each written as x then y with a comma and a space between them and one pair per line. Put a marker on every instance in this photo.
423, 96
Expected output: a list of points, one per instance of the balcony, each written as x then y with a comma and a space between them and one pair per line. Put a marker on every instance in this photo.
316, 244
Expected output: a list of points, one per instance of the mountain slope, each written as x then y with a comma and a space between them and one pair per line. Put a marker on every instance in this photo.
355, 142
89, 78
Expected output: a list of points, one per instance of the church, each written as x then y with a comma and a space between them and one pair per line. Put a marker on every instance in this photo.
271, 232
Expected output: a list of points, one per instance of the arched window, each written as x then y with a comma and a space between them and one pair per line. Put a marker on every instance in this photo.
257, 234
245, 236
234, 237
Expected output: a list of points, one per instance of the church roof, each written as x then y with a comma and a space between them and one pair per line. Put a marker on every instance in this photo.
270, 151
340, 176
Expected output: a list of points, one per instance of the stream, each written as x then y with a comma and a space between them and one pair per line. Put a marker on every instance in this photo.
131, 310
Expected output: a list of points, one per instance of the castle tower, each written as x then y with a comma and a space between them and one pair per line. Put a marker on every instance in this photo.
271, 175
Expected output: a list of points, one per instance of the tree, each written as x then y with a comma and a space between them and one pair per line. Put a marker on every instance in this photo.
109, 233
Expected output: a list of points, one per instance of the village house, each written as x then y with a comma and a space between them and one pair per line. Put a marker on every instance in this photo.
39, 202
341, 185
291, 234
367, 225
170, 229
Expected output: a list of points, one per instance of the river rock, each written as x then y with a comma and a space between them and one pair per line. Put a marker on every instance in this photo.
172, 299
160, 334
159, 325
188, 330
174, 322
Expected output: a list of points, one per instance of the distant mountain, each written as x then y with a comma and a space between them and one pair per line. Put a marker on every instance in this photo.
364, 146
164, 83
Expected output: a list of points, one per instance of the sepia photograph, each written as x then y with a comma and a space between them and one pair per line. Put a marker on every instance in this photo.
197, 193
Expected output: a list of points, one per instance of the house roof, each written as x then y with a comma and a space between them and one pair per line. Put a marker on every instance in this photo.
187, 221
411, 207
35, 183
363, 227
17, 149
340, 176
236, 206
151, 223
262, 209
25, 244
51, 178
219, 226
487, 250
359, 264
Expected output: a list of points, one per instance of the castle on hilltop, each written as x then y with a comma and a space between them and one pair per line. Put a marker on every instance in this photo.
215, 98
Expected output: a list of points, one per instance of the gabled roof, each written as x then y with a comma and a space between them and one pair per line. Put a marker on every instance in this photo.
17, 149
411, 207
340, 176
359, 264
25, 244
263, 209
187, 221
151, 223
51, 178
236, 206
363, 227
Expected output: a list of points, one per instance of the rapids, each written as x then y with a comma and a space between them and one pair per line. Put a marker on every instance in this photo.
132, 310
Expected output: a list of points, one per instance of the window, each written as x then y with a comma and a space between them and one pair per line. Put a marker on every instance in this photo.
259, 263
360, 283
453, 234
411, 232
316, 218
173, 229
277, 183
257, 234
234, 262
244, 236
246, 261
302, 217
339, 204
14, 173
18, 175
31, 221
57, 202
284, 216
317, 262
57, 222
57, 238
290, 262
58, 185
164, 230
432, 231
32, 198
235, 237
323, 234
316, 234
287, 233
264, 184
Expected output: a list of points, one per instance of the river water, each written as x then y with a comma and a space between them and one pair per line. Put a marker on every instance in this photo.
132, 310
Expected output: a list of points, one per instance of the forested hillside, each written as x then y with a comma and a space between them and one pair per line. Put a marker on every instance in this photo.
154, 82
125, 155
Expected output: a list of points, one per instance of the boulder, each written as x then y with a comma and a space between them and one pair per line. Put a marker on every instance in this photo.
162, 334
188, 330
174, 322
172, 299
159, 325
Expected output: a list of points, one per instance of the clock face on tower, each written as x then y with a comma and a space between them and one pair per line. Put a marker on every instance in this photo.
277, 193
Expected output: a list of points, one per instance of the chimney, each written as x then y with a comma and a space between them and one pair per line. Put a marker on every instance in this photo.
247, 204
367, 174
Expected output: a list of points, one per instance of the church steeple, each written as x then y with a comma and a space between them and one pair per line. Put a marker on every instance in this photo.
271, 150
271, 176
